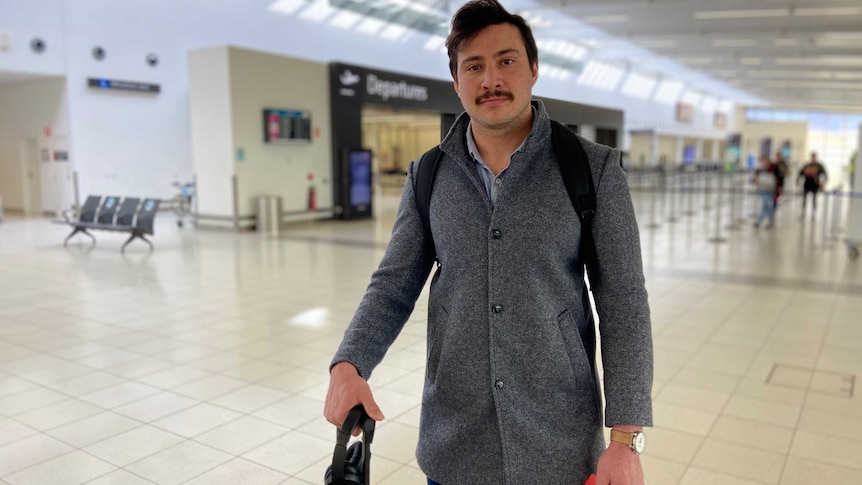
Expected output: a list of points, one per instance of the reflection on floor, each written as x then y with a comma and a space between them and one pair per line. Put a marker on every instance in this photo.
205, 362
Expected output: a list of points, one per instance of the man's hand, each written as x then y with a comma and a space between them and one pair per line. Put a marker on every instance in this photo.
346, 390
619, 465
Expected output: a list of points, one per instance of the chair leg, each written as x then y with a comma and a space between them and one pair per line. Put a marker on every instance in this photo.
134, 236
76, 231
148, 242
130, 239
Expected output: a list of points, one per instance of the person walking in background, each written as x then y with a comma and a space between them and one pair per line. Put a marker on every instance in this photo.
511, 389
814, 176
781, 170
766, 181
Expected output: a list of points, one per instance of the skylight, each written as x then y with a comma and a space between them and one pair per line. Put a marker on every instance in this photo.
668, 91
601, 75
639, 85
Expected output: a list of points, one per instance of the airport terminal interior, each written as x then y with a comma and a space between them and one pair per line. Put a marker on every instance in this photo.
202, 356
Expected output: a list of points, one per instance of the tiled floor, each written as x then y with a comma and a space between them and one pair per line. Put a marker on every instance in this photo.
205, 362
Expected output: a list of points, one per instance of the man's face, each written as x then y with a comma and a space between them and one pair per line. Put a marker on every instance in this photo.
494, 78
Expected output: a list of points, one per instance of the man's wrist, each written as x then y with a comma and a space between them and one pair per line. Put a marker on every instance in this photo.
344, 367
628, 428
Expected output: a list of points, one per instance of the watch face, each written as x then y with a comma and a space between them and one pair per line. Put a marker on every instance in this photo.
639, 442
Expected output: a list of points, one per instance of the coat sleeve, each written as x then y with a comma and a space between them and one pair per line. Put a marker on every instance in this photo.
394, 288
621, 297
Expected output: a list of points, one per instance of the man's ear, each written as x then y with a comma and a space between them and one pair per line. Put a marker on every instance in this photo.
455, 84
535, 69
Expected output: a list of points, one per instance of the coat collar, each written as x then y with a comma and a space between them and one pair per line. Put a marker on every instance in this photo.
455, 142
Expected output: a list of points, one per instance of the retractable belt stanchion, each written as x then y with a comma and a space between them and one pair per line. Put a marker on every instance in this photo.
690, 198
653, 191
717, 238
826, 203
672, 218
731, 220
837, 210
706, 191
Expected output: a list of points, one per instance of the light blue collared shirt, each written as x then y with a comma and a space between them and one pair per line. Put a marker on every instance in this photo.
492, 183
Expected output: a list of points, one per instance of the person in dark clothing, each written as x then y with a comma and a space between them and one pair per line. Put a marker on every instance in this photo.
780, 172
814, 176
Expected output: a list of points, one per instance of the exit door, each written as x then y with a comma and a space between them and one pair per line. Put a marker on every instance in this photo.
32, 177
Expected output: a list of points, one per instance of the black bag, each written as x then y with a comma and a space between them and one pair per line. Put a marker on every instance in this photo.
352, 466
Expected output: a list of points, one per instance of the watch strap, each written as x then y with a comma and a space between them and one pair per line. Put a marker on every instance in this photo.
622, 437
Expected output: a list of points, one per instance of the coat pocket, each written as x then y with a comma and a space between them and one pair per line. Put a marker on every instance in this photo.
437, 320
578, 358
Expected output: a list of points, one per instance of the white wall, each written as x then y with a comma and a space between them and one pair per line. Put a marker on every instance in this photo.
212, 131
258, 81
24, 20
128, 143
27, 109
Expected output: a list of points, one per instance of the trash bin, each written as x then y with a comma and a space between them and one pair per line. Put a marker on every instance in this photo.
268, 214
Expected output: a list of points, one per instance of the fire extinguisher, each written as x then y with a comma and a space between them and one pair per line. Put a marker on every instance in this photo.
312, 202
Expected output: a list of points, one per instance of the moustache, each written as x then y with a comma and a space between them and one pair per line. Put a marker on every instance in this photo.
494, 94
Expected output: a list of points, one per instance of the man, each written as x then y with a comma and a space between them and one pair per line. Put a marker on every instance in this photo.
814, 176
511, 394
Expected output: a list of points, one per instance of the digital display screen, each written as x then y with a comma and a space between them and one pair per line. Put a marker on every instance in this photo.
281, 125
360, 177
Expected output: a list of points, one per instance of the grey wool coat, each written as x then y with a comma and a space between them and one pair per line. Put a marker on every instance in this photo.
511, 394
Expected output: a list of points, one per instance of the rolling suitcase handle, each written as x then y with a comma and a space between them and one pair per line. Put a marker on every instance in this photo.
352, 466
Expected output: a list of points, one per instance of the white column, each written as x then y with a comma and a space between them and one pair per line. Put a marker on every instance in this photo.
653, 149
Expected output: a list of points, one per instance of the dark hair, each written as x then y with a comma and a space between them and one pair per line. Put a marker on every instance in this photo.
477, 15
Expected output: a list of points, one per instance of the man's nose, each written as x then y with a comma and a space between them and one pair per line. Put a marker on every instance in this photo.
491, 78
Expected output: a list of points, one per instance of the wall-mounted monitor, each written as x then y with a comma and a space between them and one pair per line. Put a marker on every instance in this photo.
286, 126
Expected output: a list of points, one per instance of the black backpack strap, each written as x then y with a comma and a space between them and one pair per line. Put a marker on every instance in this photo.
423, 183
575, 169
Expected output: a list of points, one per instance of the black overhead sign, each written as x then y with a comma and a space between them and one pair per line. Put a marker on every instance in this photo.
115, 84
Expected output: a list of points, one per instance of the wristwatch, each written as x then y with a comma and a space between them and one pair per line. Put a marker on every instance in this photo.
636, 441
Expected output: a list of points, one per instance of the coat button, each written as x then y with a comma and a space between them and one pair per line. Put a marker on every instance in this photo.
497, 308
498, 384
496, 234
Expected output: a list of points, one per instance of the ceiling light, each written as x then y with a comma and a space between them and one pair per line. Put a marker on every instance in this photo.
733, 42
843, 61
786, 42
638, 85
435, 42
317, 11
766, 74
606, 19
345, 20
695, 61
723, 72
741, 14
668, 91
658, 43
287, 7
827, 11
370, 26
